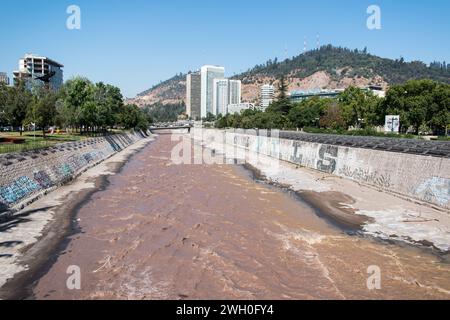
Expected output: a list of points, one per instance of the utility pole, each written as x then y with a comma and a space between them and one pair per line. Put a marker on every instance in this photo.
286, 51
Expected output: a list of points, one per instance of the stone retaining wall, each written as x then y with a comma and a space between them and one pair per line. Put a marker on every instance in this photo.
23, 176
425, 178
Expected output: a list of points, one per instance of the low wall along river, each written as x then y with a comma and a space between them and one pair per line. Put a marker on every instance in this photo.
425, 178
25, 176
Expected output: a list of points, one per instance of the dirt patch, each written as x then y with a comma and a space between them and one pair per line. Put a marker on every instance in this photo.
335, 205
10, 140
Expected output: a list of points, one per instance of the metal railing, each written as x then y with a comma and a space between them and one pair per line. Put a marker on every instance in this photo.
11, 147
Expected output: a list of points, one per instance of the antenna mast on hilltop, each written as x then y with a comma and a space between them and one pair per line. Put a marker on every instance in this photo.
304, 45
318, 42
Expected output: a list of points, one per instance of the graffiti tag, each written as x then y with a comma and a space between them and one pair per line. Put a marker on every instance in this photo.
327, 158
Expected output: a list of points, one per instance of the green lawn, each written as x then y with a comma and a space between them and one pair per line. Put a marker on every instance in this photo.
35, 142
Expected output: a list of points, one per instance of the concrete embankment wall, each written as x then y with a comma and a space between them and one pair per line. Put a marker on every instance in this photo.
425, 178
25, 176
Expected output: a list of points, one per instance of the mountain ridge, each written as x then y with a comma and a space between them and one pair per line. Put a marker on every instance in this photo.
328, 67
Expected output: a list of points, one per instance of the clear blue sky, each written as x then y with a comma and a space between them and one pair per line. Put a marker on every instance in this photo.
136, 43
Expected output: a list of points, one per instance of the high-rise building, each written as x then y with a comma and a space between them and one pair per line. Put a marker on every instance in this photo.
238, 107
267, 95
234, 91
221, 96
225, 92
38, 71
208, 74
4, 78
193, 95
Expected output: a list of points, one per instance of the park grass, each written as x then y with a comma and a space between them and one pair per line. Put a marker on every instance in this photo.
33, 141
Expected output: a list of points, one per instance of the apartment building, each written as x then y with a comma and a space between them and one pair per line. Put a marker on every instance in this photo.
35, 70
193, 95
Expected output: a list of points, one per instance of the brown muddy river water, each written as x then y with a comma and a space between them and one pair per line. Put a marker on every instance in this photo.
164, 231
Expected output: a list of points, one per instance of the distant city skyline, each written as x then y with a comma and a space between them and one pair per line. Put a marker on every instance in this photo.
135, 45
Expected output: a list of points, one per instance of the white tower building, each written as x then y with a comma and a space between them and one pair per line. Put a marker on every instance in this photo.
267, 95
220, 96
208, 74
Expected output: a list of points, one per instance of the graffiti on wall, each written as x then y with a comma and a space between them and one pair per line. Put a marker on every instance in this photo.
327, 158
275, 148
365, 175
89, 157
64, 170
43, 179
60, 173
435, 190
75, 162
17, 190
297, 156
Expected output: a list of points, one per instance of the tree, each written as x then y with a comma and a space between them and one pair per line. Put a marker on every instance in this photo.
88, 115
209, 117
308, 112
418, 103
333, 119
76, 93
4, 96
148, 115
269, 120
357, 106
283, 103
109, 102
42, 111
222, 122
159, 112
132, 117
439, 109
282, 89
19, 98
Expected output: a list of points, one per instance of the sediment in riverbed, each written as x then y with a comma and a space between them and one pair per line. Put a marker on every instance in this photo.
331, 205
334, 205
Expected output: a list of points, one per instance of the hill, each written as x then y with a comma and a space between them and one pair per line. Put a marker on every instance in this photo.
328, 68
169, 92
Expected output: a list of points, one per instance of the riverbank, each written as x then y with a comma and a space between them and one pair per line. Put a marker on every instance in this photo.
29, 239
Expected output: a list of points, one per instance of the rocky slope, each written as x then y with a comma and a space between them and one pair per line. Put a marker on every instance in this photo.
327, 68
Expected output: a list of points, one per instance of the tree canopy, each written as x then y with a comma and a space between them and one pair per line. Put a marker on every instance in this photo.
79, 104
423, 105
